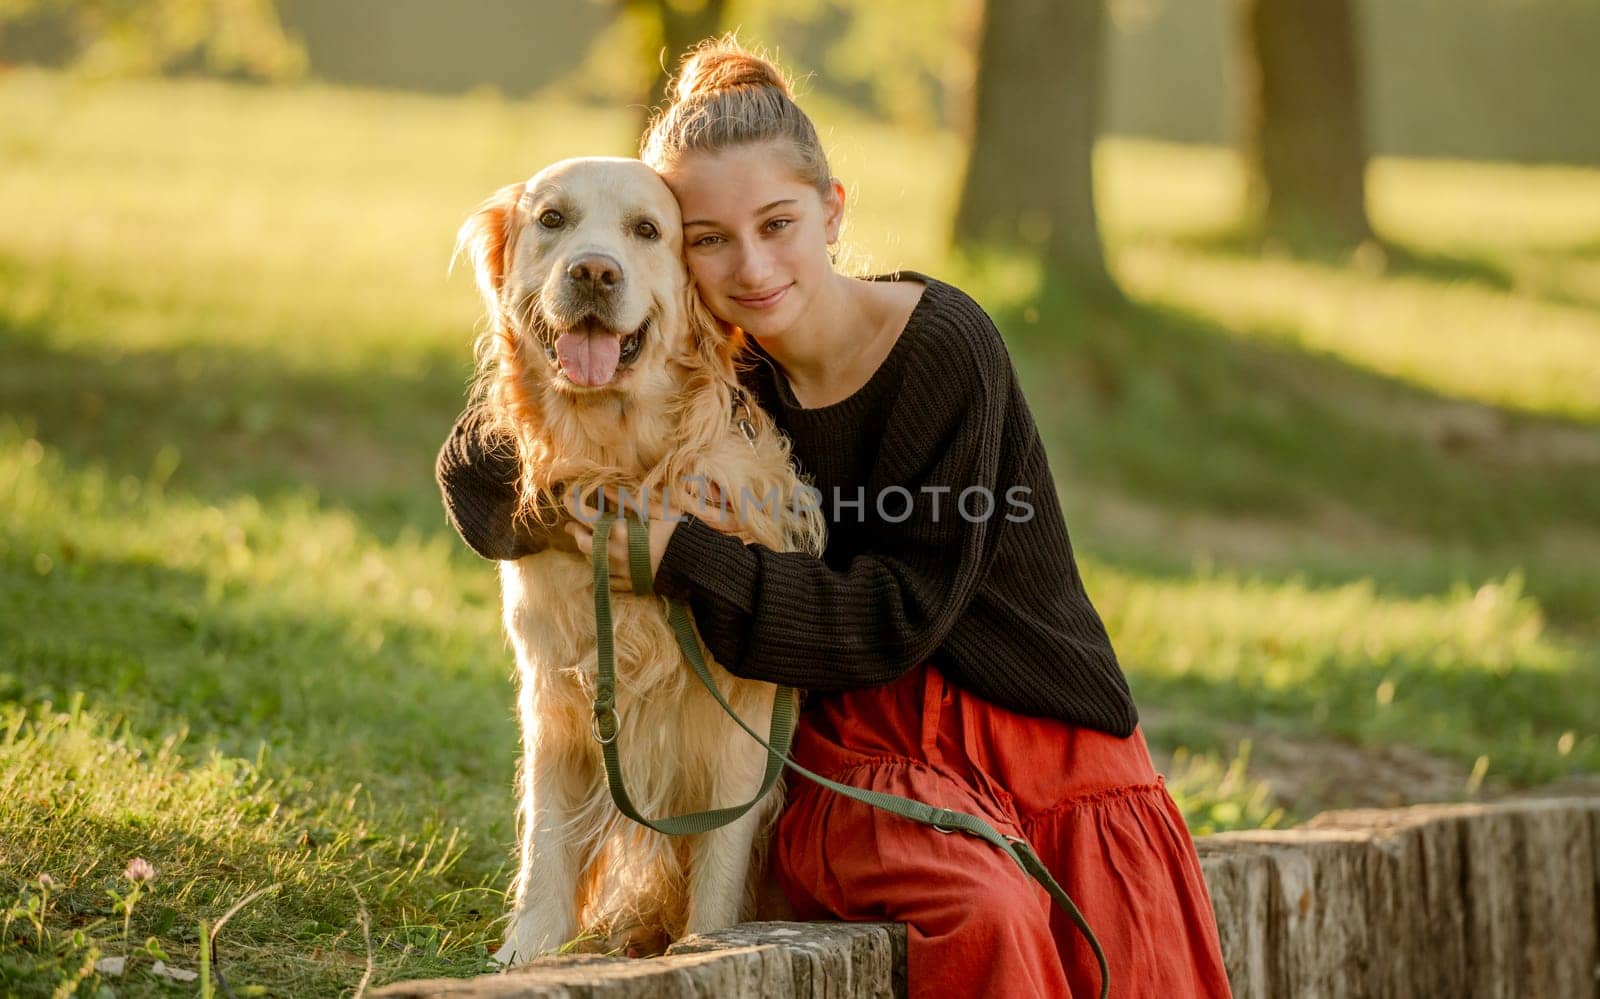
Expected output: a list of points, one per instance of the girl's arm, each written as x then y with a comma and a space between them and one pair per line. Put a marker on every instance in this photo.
477, 474
786, 617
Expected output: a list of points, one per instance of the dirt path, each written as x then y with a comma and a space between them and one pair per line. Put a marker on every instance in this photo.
1312, 774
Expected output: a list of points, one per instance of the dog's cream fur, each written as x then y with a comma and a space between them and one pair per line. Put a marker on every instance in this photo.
665, 421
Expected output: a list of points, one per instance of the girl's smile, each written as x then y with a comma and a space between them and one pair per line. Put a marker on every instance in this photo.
765, 299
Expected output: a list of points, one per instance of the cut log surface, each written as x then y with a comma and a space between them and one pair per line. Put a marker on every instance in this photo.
1433, 900
769, 960
1489, 901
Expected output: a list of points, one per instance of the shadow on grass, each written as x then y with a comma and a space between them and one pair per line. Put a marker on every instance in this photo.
220, 421
1587, 251
1160, 405
1241, 242
1392, 258
1171, 405
424, 719
1167, 408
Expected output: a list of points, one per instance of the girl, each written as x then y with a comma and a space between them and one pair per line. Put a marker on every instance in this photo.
949, 648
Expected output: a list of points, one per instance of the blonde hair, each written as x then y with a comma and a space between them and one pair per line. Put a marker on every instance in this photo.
724, 96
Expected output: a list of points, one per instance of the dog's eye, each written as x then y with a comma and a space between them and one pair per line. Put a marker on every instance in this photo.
551, 219
646, 230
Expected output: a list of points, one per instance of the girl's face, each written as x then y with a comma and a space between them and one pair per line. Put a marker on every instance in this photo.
755, 235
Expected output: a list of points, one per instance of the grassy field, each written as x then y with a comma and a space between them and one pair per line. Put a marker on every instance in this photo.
1328, 508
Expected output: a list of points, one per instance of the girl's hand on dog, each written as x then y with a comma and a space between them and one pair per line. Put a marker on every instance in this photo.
663, 519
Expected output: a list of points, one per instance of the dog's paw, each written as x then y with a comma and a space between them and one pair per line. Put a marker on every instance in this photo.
508, 956
638, 941
528, 941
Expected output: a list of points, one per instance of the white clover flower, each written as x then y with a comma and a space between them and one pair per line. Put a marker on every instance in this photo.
139, 870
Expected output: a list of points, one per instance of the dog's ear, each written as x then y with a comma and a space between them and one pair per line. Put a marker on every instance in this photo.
714, 342
487, 239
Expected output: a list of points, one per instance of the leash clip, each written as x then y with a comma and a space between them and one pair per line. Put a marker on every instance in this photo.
612, 721
744, 419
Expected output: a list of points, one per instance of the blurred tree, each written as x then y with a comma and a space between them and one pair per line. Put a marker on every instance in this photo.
902, 59
1303, 123
1030, 182
110, 37
909, 56
670, 28
910, 60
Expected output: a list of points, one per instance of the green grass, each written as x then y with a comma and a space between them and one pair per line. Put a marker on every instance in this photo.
1342, 500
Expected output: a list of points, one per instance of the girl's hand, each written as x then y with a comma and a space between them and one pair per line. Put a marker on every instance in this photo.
662, 520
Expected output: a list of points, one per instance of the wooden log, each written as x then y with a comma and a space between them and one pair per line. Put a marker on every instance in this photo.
1499, 900
1315, 933
1507, 892
1413, 896
769, 960
1240, 882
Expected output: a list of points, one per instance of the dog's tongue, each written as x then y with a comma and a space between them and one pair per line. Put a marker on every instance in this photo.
589, 358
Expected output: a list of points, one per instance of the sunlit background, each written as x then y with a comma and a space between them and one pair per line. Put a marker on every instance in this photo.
1317, 358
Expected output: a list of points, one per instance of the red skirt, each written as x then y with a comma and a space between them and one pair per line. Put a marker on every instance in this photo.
1091, 804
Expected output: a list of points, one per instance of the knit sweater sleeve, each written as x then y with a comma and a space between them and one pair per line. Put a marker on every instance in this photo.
789, 618
477, 474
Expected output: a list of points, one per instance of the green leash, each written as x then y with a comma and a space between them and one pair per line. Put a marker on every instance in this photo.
606, 727
606, 724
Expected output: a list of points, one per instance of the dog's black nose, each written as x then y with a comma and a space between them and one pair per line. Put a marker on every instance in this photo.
595, 271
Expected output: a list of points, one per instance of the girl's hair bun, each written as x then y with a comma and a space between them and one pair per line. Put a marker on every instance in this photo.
725, 96
719, 64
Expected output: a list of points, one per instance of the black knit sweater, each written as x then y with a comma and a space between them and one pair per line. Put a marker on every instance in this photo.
945, 536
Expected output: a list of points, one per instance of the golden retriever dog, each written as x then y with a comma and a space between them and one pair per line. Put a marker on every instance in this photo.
602, 364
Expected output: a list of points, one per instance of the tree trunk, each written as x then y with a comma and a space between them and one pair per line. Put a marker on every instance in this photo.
1029, 181
679, 25
1303, 121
